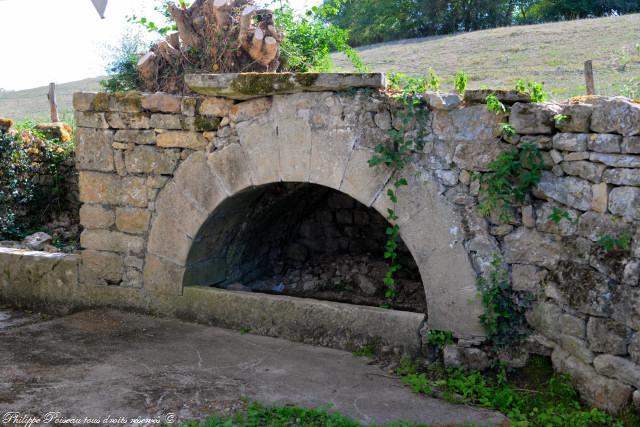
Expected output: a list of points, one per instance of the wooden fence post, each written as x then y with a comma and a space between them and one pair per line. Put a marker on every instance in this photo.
52, 102
588, 77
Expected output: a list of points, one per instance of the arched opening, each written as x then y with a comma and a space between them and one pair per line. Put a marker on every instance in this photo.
302, 240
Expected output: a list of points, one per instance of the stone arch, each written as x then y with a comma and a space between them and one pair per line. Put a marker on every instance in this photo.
286, 145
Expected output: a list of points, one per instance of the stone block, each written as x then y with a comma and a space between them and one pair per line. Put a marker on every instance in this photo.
477, 155
600, 201
571, 141
85, 119
622, 177
607, 336
83, 101
566, 227
527, 278
219, 107
168, 240
166, 121
625, 201
151, 160
162, 103
445, 101
533, 119
259, 141
132, 220
578, 118
473, 123
631, 145
545, 318
616, 160
93, 150
96, 216
619, 368
525, 246
142, 137
330, 153
605, 143
101, 268
249, 110
576, 347
182, 139
616, 115
569, 191
597, 390
110, 189
128, 120
162, 276
634, 348
189, 106
111, 241
594, 225
585, 170
229, 164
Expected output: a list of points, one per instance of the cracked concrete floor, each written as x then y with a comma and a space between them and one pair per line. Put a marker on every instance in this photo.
101, 362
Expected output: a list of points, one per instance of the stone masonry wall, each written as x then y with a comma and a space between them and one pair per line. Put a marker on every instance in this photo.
586, 313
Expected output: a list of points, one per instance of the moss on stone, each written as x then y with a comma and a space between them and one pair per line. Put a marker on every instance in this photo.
130, 100
262, 83
307, 79
101, 103
206, 124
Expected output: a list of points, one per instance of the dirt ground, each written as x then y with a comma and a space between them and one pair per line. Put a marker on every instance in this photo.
110, 364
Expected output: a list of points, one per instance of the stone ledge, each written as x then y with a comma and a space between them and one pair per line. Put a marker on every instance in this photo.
325, 323
253, 85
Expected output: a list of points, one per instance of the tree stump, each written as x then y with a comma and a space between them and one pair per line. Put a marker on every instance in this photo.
214, 36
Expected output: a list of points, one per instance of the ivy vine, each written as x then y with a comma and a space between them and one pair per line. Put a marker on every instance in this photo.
408, 92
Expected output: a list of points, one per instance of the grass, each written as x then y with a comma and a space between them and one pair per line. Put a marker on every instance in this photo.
257, 415
533, 396
32, 104
552, 53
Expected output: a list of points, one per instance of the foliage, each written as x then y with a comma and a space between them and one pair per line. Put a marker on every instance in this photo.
367, 350
28, 157
495, 105
123, 65
554, 404
162, 28
509, 180
612, 243
433, 80
374, 21
503, 318
557, 215
311, 38
408, 94
277, 416
460, 82
560, 119
533, 88
440, 338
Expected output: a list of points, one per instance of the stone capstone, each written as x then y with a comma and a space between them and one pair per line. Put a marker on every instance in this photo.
533, 119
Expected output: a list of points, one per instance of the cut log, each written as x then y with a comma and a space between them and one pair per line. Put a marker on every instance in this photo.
213, 35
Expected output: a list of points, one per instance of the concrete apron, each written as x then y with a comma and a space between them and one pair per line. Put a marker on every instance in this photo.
49, 283
106, 362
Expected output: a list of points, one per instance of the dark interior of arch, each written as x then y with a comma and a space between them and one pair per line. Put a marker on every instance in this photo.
302, 240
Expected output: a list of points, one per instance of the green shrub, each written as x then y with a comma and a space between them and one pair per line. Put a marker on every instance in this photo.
123, 65
28, 158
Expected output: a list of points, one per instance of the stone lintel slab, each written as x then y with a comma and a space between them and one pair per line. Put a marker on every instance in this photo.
243, 86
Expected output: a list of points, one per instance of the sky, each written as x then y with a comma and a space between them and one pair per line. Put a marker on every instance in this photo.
61, 41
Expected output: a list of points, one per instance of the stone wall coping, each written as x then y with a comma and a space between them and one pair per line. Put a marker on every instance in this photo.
252, 85
38, 254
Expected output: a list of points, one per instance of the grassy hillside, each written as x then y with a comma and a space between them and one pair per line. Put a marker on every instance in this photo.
552, 53
32, 104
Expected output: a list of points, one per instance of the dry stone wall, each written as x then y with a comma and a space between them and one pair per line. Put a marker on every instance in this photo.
153, 168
